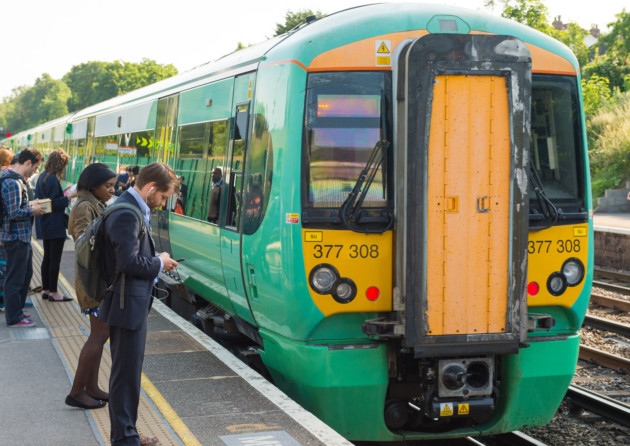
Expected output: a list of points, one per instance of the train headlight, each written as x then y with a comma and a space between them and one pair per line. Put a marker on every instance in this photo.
573, 271
344, 291
556, 284
323, 277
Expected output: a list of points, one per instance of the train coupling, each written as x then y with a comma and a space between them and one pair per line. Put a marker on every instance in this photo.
538, 322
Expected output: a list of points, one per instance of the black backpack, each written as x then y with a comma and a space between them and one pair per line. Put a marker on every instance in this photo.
89, 253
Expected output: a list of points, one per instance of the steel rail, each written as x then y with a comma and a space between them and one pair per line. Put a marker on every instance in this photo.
621, 365
599, 404
610, 302
608, 325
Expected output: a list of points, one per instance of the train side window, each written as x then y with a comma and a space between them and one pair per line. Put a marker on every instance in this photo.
201, 148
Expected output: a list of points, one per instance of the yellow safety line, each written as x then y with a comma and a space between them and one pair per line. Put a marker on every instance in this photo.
169, 413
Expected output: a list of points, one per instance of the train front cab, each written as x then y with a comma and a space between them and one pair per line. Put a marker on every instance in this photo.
496, 212
469, 351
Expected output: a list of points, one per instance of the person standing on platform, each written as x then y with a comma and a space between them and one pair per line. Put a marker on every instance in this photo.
16, 235
5, 160
95, 188
126, 307
51, 227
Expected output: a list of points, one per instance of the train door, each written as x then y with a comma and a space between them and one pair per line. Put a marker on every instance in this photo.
163, 145
231, 200
463, 138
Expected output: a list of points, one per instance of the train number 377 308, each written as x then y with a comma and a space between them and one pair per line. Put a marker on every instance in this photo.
352, 251
547, 246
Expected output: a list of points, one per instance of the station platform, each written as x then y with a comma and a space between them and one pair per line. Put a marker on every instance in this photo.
613, 222
194, 391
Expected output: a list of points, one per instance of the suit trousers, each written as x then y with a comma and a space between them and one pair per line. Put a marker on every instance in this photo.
127, 350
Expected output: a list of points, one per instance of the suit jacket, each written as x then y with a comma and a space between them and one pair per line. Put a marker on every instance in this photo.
135, 257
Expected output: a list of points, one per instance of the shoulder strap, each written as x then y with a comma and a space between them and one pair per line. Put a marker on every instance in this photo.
111, 208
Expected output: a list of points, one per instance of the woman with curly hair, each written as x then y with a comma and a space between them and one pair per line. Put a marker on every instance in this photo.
51, 227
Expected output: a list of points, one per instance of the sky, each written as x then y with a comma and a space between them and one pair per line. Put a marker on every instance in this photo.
51, 37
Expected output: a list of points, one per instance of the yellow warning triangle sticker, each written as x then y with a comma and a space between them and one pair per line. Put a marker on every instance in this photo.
383, 48
463, 409
446, 409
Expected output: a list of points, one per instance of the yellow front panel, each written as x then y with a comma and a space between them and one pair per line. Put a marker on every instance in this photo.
468, 206
548, 249
364, 258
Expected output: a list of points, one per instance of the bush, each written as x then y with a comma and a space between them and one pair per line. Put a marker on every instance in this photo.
609, 145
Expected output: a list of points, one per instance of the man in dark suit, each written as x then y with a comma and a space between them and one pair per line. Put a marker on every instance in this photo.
135, 265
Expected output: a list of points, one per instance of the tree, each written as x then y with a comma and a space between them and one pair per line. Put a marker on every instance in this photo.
94, 82
45, 101
614, 64
532, 13
617, 41
294, 19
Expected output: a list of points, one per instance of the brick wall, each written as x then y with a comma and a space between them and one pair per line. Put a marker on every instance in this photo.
612, 250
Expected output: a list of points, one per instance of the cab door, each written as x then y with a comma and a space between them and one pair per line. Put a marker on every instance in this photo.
463, 232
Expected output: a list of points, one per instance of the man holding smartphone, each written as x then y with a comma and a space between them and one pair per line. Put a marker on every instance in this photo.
127, 306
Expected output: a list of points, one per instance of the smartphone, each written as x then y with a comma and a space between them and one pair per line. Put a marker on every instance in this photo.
179, 260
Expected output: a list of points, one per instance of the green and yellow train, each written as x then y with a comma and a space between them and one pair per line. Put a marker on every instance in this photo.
405, 225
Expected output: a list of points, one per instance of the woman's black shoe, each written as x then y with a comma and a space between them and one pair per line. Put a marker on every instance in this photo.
72, 401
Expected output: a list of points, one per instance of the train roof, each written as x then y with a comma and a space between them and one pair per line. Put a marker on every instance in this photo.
333, 30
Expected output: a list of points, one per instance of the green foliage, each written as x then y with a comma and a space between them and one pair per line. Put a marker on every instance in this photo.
596, 92
617, 41
532, 13
609, 150
84, 85
45, 101
294, 19
94, 82
609, 69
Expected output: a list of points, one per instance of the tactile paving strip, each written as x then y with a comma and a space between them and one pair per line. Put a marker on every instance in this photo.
68, 329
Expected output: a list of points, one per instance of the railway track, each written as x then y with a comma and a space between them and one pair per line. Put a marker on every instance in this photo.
607, 325
611, 302
617, 288
621, 276
601, 405
605, 359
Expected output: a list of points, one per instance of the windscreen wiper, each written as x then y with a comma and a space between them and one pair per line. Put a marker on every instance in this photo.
548, 209
351, 209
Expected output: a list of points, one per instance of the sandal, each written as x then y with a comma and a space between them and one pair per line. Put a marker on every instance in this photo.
37, 289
